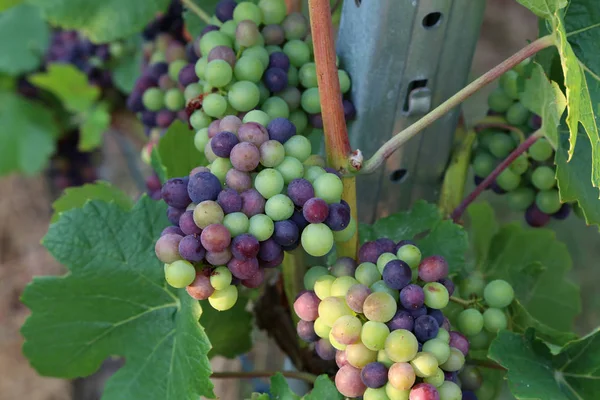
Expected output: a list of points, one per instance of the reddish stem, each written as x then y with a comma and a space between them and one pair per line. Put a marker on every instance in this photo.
458, 212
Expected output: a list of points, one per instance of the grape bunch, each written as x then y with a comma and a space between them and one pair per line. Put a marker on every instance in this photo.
169, 23
71, 167
261, 195
529, 183
381, 320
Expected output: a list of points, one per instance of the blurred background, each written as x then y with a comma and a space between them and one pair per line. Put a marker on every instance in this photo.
25, 211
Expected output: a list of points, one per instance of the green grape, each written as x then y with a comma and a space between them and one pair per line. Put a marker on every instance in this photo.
273, 49
439, 348
520, 199
174, 99
501, 145
321, 329
276, 107
358, 355
381, 286
520, 165
346, 329
395, 394
375, 394
257, 116
311, 101
487, 391
299, 119
214, 105
264, 94
201, 139
158, 56
347, 233
383, 358
455, 361
517, 114
443, 334
209, 153
273, 11
401, 375
243, 95
374, 334
509, 82
292, 75
192, 90
472, 285
481, 341
261, 227
237, 223
224, 299
248, 68
291, 95
212, 39
258, 52
436, 295
269, 182
317, 239
410, 254
367, 273
218, 73
180, 273
379, 307
522, 67
449, 391
499, 101
337, 345
220, 278
153, 99
498, 293
508, 180
219, 167
401, 345
483, 164
484, 138
541, 150
208, 212
329, 187
247, 10
290, 168
308, 75
341, 285
470, 322
311, 276
344, 79
322, 286
382, 261
543, 178
228, 28
272, 153
175, 67
331, 308
437, 379
494, 319
548, 201
298, 147
313, 172
298, 52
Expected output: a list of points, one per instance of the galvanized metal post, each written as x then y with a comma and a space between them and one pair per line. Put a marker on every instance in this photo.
405, 58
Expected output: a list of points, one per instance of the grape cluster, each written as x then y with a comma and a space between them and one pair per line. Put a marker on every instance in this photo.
71, 167
529, 182
380, 318
261, 195
169, 23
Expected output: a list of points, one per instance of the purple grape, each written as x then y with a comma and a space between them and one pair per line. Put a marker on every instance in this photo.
164, 118
459, 341
209, 28
446, 324
343, 266
315, 210
306, 331
190, 248
148, 118
187, 75
451, 376
426, 328
253, 132
412, 297
281, 129
286, 233
402, 243
187, 224
369, 252
280, 60
387, 245
477, 180
275, 80
438, 315
276, 262
536, 218
401, 320
468, 395
535, 122
172, 230
230, 123
497, 189
215, 238
134, 102
173, 214
222, 53
374, 375
245, 156
243, 269
355, 298
298, 218
325, 350
316, 120
238, 180
245, 247
255, 280
145, 82
223, 143
252, 202
418, 312
397, 274
300, 191
333, 171
203, 186
433, 268
291, 247
269, 250
273, 34
175, 192
563, 212
224, 10
214, 128
218, 257
156, 70
349, 110
191, 54
338, 218
448, 284
230, 201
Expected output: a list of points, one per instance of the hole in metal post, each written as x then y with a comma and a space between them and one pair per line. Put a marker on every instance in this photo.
432, 19
357, 2
416, 84
399, 175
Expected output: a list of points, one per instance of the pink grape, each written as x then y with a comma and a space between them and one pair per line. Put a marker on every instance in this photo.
215, 238
348, 381
433, 268
200, 289
306, 306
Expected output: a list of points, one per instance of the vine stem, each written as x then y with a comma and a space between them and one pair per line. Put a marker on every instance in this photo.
399, 139
337, 143
303, 376
458, 211
463, 302
203, 15
493, 123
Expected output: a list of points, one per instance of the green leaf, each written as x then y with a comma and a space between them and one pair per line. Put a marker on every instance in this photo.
102, 21
438, 236
69, 84
324, 389
27, 135
482, 228
230, 331
115, 301
24, 39
96, 122
544, 98
128, 68
177, 152
193, 23
521, 320
534, 373
280, 390
6, 4
77, 197
544, 8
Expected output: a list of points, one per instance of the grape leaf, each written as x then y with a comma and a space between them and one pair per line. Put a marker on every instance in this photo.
324, 389
115, 301
102, 21
521, 320
76, 197
24, 39
280, 390
128, 67
157, 165
482, 228
177, 152
69, 84
95, 122
27, 135
544, 8
437, 236
193, 23
534, 373
6, 4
